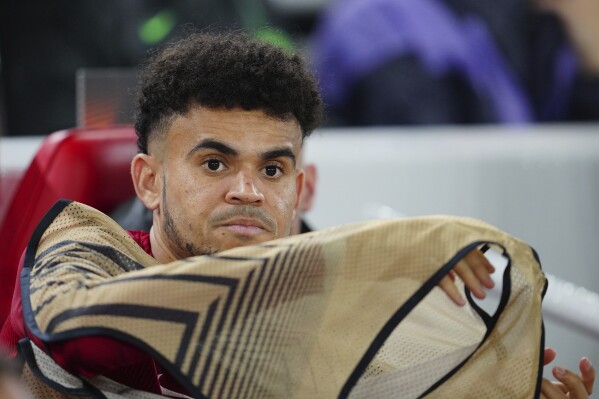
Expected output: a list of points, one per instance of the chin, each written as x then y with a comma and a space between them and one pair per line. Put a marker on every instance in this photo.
242, 241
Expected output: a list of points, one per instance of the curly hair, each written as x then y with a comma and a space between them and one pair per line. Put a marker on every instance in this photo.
228, 71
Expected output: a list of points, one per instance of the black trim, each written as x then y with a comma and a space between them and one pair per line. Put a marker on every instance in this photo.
19, 359
401, 313
29, 261
487, 318
536, 256
484, 248
29, 356
541, 362
542, 348
505, 296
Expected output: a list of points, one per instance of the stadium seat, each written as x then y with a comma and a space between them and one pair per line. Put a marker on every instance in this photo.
91, 166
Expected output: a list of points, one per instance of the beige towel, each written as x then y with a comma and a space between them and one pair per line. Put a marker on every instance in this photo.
348, 311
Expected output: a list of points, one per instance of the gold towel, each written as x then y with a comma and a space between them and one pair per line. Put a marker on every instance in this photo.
348, 311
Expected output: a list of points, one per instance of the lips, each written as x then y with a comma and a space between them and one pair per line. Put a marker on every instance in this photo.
245, 226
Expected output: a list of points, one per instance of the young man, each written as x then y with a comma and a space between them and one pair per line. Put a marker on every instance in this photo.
221, 124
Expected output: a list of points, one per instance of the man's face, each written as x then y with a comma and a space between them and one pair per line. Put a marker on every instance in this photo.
227, 178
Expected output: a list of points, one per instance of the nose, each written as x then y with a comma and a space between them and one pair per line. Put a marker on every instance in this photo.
243, 191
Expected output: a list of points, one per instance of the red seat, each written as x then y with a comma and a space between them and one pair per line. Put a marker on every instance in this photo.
91, 166
9, 181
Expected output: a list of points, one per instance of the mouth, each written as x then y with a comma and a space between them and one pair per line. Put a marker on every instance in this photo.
246, 227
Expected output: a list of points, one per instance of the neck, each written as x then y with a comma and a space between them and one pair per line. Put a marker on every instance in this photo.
159, 249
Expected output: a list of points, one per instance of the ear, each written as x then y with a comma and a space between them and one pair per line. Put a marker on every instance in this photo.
299, 187
309, 189
147, 180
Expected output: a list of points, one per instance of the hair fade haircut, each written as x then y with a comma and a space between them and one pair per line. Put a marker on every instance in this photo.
228, 70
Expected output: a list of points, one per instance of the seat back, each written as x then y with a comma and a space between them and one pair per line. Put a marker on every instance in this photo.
91, 166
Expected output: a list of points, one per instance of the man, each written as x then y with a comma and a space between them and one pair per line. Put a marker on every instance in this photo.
133, 215
221, 124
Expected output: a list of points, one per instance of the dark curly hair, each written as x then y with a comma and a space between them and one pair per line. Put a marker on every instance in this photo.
225, 70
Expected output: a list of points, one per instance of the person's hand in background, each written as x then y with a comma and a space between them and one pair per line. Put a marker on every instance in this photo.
570, 385
475, 271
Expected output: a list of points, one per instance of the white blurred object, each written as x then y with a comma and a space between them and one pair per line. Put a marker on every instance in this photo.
572, 306
376, 210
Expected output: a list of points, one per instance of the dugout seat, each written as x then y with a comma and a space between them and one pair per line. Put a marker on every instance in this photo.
86, 165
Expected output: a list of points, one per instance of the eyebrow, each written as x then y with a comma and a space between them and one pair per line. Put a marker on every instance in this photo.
213, 145
278, 152
227, 150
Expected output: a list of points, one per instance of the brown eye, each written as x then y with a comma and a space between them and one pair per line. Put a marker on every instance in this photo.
272, 171
213, 165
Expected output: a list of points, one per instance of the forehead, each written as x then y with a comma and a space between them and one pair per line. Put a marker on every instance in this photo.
246, 131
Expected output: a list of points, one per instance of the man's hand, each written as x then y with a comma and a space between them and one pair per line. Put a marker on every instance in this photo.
475, 271
570, 385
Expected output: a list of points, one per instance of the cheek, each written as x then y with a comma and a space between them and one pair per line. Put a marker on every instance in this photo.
284, 202
193, 208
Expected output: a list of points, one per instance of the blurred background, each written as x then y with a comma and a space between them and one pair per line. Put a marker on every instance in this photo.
467, 107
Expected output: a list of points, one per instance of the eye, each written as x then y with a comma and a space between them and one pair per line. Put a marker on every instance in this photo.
273, 170
214, 165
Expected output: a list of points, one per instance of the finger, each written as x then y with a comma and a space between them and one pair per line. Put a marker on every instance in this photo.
463, 269
451, 275
489, 265
576, 388
452, 291
476, 255
550, 391
560, 386
548, 356
587, 374
481, 267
